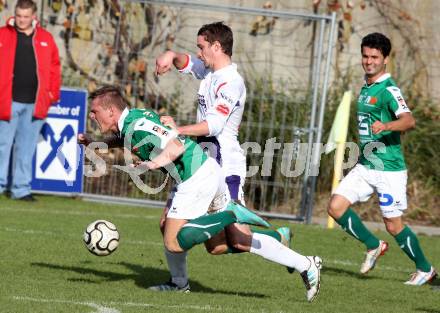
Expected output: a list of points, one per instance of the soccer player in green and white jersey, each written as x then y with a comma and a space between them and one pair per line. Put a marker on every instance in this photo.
201, 186
221, 102
382, 116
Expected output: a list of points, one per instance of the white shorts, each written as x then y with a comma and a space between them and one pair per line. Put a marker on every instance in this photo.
202, 193
361, 182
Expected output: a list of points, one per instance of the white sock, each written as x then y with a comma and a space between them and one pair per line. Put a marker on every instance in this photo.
177, 266
273, 250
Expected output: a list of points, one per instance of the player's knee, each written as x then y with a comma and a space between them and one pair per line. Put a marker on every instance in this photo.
172, 245
392, 231
392, 227
335, 207
332, 207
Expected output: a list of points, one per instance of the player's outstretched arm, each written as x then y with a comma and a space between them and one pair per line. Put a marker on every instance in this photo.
199, 129
166, 60
112, 141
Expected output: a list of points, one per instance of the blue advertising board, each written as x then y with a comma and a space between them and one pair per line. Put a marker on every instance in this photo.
58, 159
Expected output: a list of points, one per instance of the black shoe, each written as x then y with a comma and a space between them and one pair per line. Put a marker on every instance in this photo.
170, 286
29, 198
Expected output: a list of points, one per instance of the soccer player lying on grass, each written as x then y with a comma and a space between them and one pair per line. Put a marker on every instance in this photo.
201, 186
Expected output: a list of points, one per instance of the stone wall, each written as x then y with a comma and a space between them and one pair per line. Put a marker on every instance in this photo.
263, 46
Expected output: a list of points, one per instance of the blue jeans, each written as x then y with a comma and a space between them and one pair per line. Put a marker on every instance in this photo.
20, 133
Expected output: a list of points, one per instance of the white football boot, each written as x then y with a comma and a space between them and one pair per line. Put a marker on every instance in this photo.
312, 277
419, 278
372, 256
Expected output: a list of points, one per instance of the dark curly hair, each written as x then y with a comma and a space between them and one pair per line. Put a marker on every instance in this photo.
377, 41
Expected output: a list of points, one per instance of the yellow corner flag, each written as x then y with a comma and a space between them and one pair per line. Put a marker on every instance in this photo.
338, 133
337, 139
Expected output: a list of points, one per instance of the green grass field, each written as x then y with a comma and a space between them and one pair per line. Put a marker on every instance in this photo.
45, 267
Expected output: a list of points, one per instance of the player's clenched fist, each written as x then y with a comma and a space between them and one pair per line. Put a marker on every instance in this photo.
164, 62
168, 121
378, 127
84, 139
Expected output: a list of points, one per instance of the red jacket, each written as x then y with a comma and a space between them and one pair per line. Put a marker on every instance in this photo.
48, 69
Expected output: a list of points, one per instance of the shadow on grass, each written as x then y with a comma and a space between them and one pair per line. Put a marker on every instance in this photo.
436, 282
427, 310
435, 286
328, 270
143, 277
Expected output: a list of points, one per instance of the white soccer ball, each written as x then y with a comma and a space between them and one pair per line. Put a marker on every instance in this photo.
101, 237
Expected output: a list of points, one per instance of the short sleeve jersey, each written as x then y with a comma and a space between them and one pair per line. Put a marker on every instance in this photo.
381, 101
149, 137
221, 100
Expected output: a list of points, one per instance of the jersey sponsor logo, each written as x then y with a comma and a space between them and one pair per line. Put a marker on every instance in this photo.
227, 98
401, 102
155, 129
160, 130
397, 95
372, 100
222, 109
202, 102
385, 199
367, 100
361, 98
44, 44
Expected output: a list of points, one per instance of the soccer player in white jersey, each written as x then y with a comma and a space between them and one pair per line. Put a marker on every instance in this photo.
200, 185
221, 100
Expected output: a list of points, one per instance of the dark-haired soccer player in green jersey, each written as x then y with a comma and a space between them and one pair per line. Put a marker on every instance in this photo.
200, 186
382, 116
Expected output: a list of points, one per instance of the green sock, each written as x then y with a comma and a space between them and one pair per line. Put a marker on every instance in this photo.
203, 228
269, 232
409, 243
352, 224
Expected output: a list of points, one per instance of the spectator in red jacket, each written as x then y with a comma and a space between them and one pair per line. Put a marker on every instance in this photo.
30, 80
